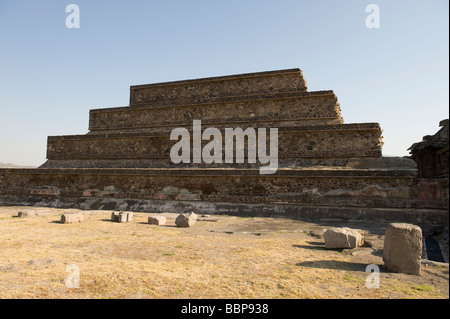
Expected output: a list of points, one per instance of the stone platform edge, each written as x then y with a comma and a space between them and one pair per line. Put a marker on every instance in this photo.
325, 172
275, 210
220, 100
219, 78
299, 129
221, 86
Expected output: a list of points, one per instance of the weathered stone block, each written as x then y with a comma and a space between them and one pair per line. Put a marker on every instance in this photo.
26, 214
72, 218
157, 220
186, 219
343, 237
122, 217
402, 250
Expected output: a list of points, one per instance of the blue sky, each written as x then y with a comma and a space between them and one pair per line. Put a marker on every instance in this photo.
51, 76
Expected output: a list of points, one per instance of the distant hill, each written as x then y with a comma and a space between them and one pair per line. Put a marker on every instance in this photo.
9, 165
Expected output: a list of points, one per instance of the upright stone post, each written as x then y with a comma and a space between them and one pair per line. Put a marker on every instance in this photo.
402, 250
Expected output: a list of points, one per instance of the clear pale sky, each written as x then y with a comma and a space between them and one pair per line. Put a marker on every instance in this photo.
51, 76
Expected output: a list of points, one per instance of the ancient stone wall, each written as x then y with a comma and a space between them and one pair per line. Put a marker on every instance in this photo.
212, 184
344, 193
346, 140
225, 86
303, 109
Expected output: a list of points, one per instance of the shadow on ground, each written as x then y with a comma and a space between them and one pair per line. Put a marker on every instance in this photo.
334, 264
313, 245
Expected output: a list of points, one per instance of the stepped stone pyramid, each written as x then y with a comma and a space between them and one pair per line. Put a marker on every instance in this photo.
326, 169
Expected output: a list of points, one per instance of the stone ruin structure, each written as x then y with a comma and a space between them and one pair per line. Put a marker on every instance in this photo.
431, 154
326, 168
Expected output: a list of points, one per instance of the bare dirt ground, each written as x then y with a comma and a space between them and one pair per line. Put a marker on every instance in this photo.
219, 257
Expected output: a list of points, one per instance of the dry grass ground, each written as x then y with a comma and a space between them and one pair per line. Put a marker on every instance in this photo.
219, 257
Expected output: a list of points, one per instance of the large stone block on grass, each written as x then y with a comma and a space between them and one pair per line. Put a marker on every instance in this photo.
122, 217
157, 220
402, 250
72, 218
343, 237
186, 219
26, 214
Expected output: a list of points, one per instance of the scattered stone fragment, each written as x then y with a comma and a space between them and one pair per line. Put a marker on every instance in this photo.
122, 217
312, 233
186, 219
362, 252
402, 251
72, 218
26, 214
157, 220
343, 237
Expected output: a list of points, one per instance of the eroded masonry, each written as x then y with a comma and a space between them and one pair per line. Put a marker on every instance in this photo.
326, 169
